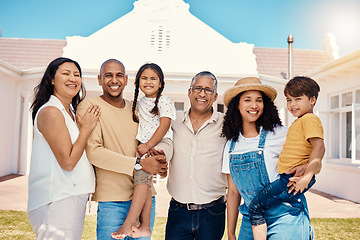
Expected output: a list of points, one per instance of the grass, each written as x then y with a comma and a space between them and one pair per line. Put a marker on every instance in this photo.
15, 225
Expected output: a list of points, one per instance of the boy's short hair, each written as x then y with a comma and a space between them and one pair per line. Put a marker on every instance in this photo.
301, 85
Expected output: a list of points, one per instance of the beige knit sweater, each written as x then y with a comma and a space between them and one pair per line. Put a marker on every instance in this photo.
111, 149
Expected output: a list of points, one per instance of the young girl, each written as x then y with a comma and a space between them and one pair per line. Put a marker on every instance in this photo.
155, 115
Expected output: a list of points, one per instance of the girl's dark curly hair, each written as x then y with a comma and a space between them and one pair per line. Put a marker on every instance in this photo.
160, 74
45, 89
232, 126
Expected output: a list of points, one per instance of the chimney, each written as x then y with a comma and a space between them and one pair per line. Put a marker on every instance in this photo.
329, 45
290, 41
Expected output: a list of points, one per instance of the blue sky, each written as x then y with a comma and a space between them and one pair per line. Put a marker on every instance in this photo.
265, 23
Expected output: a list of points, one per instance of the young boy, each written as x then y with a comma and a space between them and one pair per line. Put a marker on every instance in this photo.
304, 144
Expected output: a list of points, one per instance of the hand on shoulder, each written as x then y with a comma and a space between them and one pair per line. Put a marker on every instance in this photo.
90, 117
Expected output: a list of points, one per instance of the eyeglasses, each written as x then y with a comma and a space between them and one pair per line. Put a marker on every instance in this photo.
207, 91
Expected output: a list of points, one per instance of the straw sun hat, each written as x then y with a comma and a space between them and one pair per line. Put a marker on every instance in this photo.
248, 84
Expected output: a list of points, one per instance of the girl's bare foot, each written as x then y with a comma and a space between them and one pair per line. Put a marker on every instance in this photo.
123, 231
141, 231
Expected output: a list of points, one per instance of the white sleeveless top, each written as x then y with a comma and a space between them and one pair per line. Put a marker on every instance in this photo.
48, 182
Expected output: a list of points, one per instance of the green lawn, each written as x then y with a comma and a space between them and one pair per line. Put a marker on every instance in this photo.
15, 225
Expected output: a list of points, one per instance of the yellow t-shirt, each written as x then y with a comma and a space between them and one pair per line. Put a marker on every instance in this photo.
297, 148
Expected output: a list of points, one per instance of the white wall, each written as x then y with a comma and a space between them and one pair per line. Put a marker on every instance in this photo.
9, 122
338, 177
340, 180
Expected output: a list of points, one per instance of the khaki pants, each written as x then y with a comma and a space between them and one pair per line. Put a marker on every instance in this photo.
142, 177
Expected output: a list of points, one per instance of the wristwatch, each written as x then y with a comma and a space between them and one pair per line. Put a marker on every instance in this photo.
137, 164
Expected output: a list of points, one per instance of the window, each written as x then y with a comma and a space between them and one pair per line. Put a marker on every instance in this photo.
357, 100
356, 137
160, 39
179, 106
345, 126
346, 134
334, 101
220, 108
335, 130
346, 99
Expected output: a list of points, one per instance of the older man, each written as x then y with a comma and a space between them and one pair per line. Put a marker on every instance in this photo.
111, 149
195, 182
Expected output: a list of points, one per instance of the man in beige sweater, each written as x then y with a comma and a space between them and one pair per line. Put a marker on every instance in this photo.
111, 149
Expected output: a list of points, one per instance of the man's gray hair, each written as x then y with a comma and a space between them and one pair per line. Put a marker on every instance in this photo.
205, 74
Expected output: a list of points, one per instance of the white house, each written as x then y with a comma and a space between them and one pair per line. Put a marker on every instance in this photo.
165, 32
339, 110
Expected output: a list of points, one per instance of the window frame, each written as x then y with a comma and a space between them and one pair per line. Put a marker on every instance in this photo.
341, 110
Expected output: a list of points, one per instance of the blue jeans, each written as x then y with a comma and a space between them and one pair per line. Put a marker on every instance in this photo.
271, 195
284, 221
111, 216
183, 224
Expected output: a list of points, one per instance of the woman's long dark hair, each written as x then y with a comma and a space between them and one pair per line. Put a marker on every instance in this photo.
160, 74
232, 126
45, 89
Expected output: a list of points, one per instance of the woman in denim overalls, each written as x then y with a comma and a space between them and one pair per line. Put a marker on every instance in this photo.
255, 138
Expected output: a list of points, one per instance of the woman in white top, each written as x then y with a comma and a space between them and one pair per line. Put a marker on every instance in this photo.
61, 178
255, 139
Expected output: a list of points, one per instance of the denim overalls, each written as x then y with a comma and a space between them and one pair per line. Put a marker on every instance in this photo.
285, 221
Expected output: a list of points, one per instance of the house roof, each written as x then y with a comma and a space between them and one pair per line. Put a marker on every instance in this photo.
274, 61
349, 64
30, 53
167, 33
33, 53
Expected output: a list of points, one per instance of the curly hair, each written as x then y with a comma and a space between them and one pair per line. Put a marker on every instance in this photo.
160, 74
233, 123
45, 89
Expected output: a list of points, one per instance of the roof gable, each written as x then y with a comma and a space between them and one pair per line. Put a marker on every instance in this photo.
165, 32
